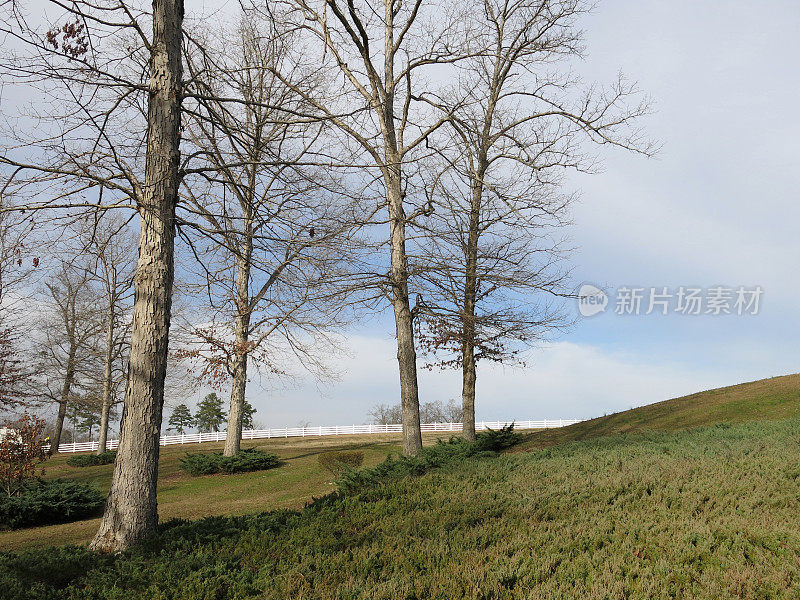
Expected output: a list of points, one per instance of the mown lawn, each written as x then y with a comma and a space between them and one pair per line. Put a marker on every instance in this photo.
773, 398
180, 496
708, 513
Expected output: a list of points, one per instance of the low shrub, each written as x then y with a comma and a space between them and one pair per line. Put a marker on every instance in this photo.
455, 449
338, 462
244, 461
91, 460
46, 502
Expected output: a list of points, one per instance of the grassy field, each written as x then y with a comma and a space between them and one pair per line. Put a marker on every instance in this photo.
181, 496
632, 506
766, 399
708, 513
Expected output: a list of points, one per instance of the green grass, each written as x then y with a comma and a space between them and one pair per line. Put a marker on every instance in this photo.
291, 485
696, 497
708, 513
767, 399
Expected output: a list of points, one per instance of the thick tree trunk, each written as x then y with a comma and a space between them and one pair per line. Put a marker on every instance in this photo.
233, 438
131, 510
468, 366
404, 325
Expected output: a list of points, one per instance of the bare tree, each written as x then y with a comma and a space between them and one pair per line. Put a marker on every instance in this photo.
495, 258
270, 232
381, 60
67, 327
111, 248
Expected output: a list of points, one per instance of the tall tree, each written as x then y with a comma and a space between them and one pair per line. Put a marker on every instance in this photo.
68, 328
131, 510
381, 60
271, 238
495, 258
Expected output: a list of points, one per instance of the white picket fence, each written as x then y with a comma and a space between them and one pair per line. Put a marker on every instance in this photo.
287, 432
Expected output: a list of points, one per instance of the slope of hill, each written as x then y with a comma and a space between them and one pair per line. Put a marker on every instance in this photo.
766, 399
706, 513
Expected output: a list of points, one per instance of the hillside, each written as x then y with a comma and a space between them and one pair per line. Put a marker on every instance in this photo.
706, 513
766, 399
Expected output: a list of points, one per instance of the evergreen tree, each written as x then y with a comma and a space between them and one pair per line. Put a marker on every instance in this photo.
181, 419
210, 413
247, 415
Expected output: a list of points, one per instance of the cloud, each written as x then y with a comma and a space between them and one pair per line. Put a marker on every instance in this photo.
563, 380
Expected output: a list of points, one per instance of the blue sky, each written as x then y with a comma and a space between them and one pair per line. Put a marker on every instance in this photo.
718, 206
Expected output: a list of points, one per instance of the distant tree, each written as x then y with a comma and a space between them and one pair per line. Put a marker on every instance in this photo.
85, 413
247, 415
68, 328
21, 453
15, 376
430, 412
439, 412
110, 247
384, 414
210, 414
181, 419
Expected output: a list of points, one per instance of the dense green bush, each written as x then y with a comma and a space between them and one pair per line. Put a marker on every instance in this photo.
53, 501
91, 460
250, 459
432, 457
337, 462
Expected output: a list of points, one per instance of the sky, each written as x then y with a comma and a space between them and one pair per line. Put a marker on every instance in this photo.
718, 206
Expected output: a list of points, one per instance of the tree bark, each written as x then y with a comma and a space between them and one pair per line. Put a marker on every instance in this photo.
131, 509
468, 366
404, 325
66, 387
102, 441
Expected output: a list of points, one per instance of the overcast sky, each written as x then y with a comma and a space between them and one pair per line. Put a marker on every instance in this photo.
719, 206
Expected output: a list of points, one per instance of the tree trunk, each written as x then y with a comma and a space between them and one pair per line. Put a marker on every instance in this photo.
56, 440
102, 442
66, 387
406, 352
233, 438
468, 366
131, 509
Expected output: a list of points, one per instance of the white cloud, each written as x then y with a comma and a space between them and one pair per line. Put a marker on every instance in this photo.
563, 380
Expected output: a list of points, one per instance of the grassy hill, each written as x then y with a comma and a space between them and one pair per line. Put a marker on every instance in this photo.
696, 497
707, 513
766, 399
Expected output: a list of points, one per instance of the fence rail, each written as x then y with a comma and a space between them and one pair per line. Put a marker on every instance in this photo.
287, 432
